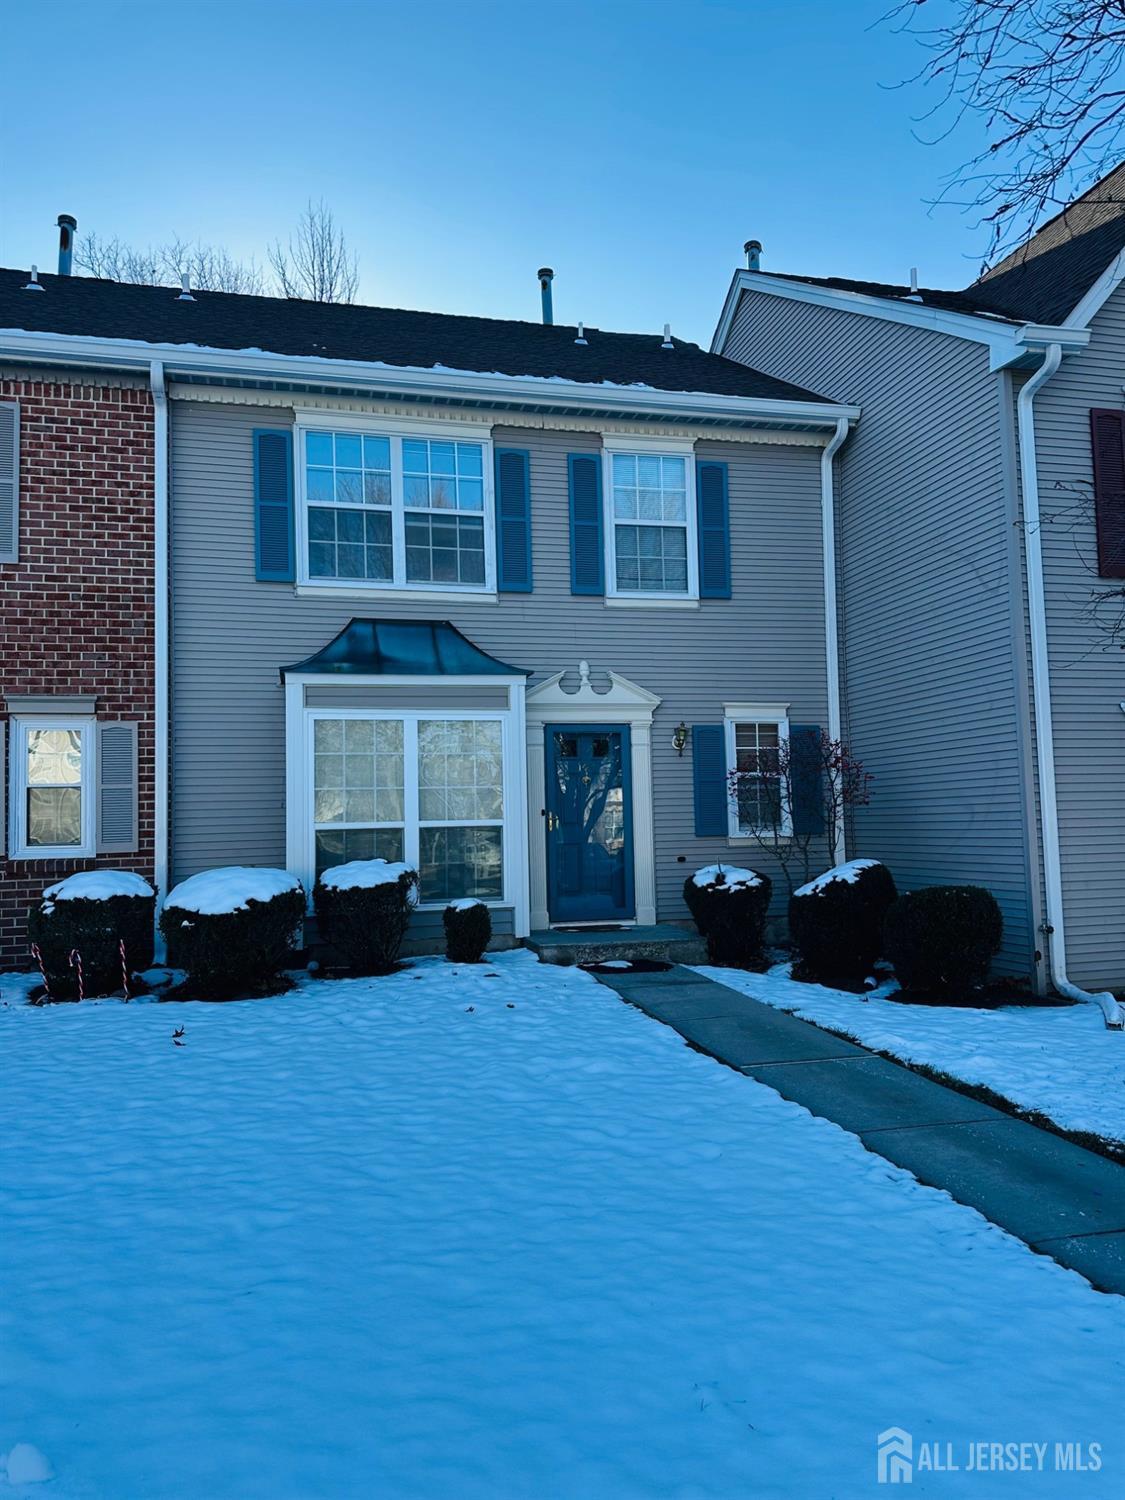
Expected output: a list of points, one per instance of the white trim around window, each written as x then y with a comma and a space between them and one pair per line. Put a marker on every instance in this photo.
389, 543
743, 716
649, 448
21, 783
300, 779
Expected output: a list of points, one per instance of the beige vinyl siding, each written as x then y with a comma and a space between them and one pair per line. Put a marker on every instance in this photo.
933, 691
1087, 680
232, 633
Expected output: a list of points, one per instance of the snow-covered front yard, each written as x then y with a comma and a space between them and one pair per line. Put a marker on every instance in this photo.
1058, 1060
491, 1233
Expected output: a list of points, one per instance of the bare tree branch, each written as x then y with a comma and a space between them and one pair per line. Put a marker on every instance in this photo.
316, 265
209, 268
1046, 77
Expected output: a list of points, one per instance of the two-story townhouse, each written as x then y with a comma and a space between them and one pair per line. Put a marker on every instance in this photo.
507, 600
982, 505
77, 645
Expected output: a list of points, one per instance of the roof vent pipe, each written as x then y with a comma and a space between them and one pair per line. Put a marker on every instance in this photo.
185, 288
753, 250
546, 276
915, 295
581, 339
35, 285
67, 225
667, 344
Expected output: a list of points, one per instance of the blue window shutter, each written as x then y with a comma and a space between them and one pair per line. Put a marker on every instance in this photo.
709, 770
713, 511
273, 505
806, 779
513, 521
587, 554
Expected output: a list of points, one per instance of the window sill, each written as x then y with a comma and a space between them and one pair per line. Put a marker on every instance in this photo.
740, 840
47, 856
422, 596
646, 601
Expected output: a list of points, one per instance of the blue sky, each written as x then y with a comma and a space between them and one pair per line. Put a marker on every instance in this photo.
632, 146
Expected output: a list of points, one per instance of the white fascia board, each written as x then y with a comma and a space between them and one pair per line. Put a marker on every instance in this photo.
1102, 289
1007, 342
439, 382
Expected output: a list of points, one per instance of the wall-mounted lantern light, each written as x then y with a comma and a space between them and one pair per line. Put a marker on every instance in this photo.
679, 737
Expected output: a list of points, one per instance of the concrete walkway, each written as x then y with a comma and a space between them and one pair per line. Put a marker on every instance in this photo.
1059, 1198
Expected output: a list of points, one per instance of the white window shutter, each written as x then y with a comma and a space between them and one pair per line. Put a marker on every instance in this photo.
117, 787
9, 481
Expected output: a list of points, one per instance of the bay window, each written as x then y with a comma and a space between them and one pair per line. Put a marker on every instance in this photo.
650, 524
423, 788
395, 510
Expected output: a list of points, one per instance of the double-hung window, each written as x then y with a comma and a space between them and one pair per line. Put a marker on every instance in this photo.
650, 524
423, 788
395, 510
757, 751
52, 796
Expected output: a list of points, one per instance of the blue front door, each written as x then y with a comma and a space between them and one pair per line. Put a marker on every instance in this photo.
589, 824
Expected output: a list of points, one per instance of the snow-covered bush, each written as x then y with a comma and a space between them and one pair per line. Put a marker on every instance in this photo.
364, 909
729, 907
233, 929
836, 922
468, 930
93, 913
942, 940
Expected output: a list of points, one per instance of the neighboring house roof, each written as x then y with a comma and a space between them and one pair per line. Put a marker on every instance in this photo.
85, 307
403, 648
1042, 281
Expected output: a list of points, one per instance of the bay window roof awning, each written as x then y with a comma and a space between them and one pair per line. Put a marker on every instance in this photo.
403, 648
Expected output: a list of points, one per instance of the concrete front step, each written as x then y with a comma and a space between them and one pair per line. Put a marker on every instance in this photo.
664, 943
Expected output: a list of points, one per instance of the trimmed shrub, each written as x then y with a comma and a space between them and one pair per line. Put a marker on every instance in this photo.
233, 929
468, 931
93, 912
836, 922
942, 940
729, 907
364, 909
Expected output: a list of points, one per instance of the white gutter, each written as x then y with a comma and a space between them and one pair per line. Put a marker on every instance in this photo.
1041, 697
831, 621
432, 382
160, 627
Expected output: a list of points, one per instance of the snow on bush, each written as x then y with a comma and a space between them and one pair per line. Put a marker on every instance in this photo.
234, 929
468, 930
364, 909
942, 941
93, 913
836, 922
729, 906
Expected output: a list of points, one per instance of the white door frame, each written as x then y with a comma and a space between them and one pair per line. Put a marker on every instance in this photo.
624, 702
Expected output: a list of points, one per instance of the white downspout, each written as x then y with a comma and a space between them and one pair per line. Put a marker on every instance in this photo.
1041, 697
831, 621
160, 681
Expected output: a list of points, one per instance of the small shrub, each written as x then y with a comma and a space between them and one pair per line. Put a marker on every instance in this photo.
729, 907
364, 909
468, 931
93, 912
836, 922
233, 929
942, 940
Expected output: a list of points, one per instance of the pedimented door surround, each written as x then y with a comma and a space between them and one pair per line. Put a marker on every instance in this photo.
624, 702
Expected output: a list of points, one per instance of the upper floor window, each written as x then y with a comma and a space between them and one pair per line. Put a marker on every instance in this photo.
651, 524
392, 511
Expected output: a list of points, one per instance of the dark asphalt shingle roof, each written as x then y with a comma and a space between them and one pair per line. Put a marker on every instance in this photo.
1043, 280
92, 308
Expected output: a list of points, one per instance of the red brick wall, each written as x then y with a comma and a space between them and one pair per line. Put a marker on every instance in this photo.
76, 611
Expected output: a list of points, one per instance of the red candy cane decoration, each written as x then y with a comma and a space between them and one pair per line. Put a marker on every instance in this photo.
74, 959
39, 960
124, 967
